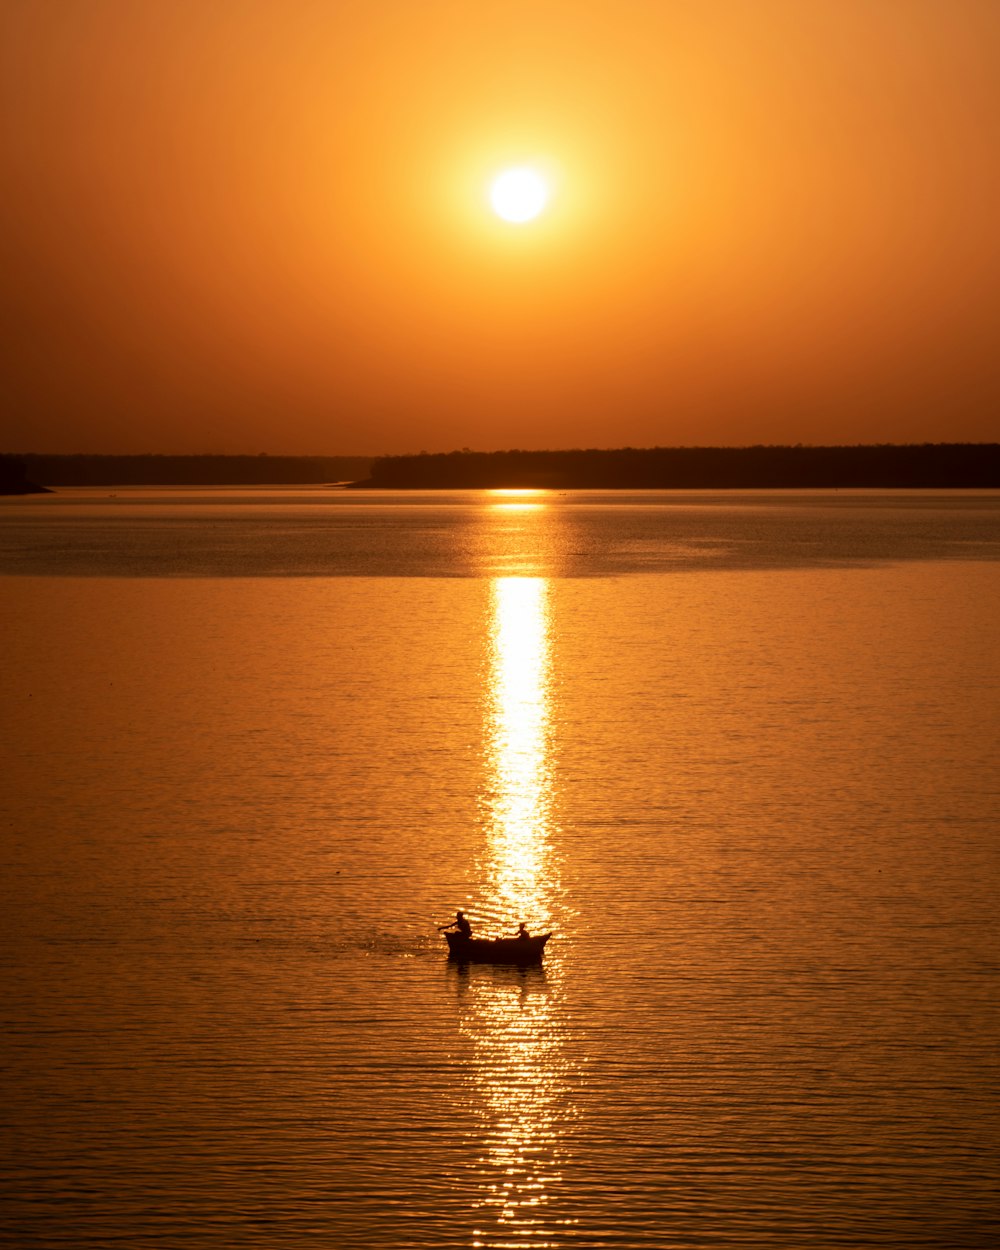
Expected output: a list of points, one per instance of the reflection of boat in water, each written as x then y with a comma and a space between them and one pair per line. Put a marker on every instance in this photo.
515, 950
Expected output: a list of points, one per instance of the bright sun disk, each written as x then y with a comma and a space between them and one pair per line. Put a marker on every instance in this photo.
518, 194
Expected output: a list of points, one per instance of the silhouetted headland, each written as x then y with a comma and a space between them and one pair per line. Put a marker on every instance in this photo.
14, 479
883, 466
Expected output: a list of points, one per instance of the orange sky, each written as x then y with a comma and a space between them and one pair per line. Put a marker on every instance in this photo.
255, 226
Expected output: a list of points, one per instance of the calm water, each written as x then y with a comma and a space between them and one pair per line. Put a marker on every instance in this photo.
739, 752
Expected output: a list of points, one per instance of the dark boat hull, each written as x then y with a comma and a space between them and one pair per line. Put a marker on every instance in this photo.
497, 950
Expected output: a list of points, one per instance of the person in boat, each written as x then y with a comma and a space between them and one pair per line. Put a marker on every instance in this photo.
522, 932
460, 923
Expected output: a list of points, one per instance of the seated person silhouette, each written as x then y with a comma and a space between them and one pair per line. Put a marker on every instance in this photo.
460, 923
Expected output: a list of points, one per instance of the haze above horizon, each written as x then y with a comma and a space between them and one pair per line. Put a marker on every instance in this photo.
241, 227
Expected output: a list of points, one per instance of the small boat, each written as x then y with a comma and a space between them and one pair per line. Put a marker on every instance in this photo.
515, 950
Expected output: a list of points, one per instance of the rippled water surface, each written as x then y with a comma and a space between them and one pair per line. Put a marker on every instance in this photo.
738, 752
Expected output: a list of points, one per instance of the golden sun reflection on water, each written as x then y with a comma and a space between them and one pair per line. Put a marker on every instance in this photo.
512, 1015
520, 870
512, 1020
516, 499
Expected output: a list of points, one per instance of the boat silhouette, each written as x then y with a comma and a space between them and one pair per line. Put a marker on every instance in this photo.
515, 950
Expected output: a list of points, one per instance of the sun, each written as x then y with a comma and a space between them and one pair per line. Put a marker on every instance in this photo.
519, 194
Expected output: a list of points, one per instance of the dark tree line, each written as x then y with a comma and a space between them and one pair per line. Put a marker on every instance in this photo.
886, 466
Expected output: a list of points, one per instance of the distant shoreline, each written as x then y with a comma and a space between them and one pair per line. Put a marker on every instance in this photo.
164, 470
923, 466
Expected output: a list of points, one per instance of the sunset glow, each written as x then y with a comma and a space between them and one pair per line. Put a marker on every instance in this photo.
368, 229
